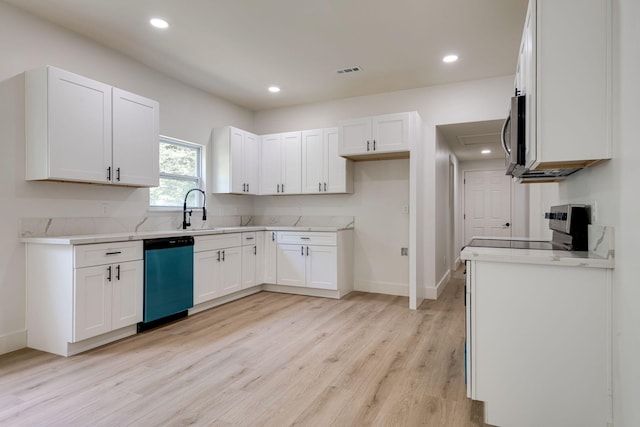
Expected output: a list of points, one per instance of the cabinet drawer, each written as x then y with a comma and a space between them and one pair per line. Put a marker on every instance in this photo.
107, 253
217, 241
249, 238
308, 238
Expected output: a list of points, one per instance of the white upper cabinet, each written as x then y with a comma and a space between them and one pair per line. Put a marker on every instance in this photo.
565, 72
135, 140
386, 136
78, 129
234, 159
281, 163
323, 170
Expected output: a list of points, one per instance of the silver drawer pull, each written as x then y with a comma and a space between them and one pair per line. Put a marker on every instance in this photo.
114, 253
305, 238
249, 238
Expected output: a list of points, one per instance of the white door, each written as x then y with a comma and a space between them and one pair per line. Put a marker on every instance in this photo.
336, 166
269, 259
128, 290
291, 163
313, 161
251, 168
322, 267
236, 139
206, 276
230, 270
487, 204
249, 254
390, 132
79, 127
92, 302
291, 261
136, 143
271, 163
355, 136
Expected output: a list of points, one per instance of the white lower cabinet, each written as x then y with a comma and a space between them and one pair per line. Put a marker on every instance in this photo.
269, 262
249, 260
217, 266
83, 296
309, 259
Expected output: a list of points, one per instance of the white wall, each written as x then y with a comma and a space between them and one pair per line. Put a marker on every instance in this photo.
185, 113
614, 186
444, 216
455, 103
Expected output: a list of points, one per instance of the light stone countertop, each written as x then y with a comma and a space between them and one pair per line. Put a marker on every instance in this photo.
85, 239
537, 256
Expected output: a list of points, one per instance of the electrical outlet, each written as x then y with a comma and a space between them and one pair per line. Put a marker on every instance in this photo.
404, 251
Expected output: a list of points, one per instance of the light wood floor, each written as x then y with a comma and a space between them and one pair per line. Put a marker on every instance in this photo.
268, 360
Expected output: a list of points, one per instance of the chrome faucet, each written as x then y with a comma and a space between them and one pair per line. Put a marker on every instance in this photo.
187, 222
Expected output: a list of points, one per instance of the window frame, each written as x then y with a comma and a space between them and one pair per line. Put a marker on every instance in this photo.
201, 168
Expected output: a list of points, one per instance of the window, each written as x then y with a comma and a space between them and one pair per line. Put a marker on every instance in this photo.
180, 170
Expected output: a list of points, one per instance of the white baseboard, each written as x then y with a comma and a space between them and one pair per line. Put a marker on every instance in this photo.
434, 293
387, 288
13, 341
223, 300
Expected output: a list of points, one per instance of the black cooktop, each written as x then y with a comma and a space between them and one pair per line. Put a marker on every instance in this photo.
515, 244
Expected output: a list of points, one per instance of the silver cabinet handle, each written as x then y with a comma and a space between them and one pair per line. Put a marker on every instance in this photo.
503, 135
118, 272
249, 238
273, 236
218, 256
302, 250
374, 145
283, 188
109, 273
255, 250
222, 255
305, 238
113, 253
118, 174
319, 186
109, 174
367, 145
278, 188
325, 186
307, 250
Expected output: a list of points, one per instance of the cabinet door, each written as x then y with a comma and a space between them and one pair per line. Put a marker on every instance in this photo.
336, 166
271, 164
136, 142
270, 258
230, 271
128, 288
251, 163
314, 156
79, 127
206, 276
322, 267
390, 132
236, 142
292, 163
526, 82
291, 265
92, 304
260, 242
249, 254
355, 136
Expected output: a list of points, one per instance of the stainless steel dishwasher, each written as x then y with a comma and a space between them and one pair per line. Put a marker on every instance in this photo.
168, 280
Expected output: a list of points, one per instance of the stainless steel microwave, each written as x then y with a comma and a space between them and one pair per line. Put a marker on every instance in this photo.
514, 137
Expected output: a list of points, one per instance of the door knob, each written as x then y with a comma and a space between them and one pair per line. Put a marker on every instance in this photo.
507, 225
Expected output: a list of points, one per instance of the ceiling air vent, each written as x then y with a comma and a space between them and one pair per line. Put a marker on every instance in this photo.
348, 70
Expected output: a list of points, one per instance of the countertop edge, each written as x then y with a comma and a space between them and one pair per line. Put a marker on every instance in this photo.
130, 236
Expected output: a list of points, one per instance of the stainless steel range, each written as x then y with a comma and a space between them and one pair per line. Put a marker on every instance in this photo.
569, 224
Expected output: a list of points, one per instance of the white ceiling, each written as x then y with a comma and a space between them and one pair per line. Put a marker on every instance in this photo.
235, 49
467, 140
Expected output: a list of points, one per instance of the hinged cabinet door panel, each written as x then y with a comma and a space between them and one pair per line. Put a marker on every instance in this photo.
249, 254
231, 271
292, 163
135, 140
271, 164
322, 267
336, 166
251, 167
313, 162
291, 261
79, 119
206, 274
355, 136
128, 289
236, 143
92, 305
391, 132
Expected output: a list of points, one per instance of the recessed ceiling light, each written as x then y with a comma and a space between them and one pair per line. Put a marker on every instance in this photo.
450, 58
486, 151
159, 23
274, 89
